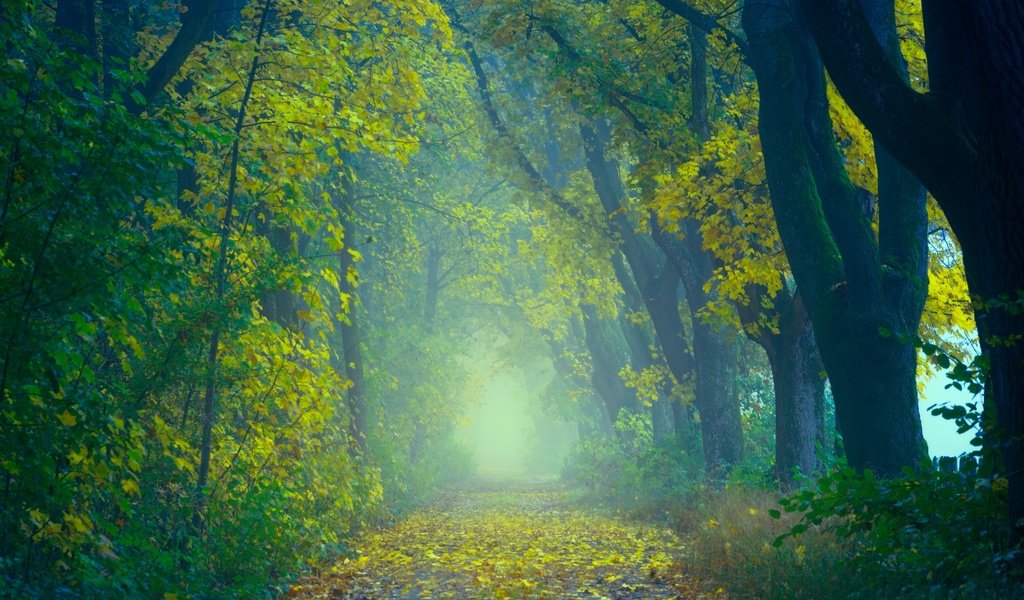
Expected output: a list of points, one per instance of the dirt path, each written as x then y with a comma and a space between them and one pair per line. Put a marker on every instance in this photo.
522, 541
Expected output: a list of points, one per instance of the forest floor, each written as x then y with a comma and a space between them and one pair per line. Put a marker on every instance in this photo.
510, 540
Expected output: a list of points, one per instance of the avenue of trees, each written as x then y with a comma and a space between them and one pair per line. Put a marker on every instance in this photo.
246, 247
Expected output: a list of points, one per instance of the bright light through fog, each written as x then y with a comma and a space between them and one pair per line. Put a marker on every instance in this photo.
500, 427
508, 431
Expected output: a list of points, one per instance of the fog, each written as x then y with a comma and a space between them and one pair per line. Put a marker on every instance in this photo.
508, 431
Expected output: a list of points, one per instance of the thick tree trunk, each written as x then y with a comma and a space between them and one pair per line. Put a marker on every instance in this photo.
874, 385
995, 268
964, 140
835, 263
1000, 329
716, 401
715, 392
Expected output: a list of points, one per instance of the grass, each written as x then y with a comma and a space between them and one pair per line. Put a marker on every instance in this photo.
729, 537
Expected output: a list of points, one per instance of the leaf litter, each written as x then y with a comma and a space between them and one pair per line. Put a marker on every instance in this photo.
510, 541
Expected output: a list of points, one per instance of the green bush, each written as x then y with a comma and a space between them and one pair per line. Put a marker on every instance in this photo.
633, 472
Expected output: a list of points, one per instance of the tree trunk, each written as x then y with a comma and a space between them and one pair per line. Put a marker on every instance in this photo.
220, 277
606, 364
715, 386
433, 285
280, 304
716, 400
715, 391
799, 394
348, 327
964, 139
594, 416
77, 19
641, 347
651, 273
851, 297
995, 262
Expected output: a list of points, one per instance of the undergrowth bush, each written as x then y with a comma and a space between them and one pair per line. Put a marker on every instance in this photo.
926, 534
632, 471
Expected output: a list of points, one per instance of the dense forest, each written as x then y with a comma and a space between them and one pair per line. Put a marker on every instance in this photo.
267, 266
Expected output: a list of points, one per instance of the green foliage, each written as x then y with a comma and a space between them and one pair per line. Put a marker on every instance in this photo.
917, 535
111, 228
631, 471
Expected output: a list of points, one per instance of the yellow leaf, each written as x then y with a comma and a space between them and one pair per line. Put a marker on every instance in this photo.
130, 487
68, 419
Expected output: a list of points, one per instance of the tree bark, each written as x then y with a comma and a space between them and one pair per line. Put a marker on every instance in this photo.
640, 343
281, 304
76, 21
848, 292
799, 385
194, 23
715, 396
715, 392
964, 139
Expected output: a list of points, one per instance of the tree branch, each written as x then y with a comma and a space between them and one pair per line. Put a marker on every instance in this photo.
704, 21
920, 130
193, 24
499, 126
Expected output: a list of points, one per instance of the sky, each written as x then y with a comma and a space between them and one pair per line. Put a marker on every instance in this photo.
941, 434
